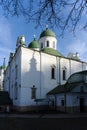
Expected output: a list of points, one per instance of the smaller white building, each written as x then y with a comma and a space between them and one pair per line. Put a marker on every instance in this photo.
71, 96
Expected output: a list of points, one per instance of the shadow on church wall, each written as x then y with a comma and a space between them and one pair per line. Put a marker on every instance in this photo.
34, 77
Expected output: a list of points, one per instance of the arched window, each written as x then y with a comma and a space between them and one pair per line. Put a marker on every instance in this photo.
53, 44
41, 45
53, 72
64, 73
47, 43
33, 92
16, 91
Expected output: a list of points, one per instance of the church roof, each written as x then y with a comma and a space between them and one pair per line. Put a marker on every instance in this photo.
68, 87
33, 44
77, 77
52, 51
73, 81
47, 32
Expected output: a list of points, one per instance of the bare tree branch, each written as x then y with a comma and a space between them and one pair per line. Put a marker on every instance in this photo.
62, 14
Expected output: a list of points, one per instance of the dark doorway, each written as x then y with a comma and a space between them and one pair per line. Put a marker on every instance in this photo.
82, 105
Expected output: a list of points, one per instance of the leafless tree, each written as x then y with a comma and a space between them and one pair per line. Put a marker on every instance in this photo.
56, 13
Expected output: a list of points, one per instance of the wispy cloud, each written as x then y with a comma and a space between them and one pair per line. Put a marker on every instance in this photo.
79, 45
5, 32
4, 50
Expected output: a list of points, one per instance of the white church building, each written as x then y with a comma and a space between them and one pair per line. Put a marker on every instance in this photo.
36, 69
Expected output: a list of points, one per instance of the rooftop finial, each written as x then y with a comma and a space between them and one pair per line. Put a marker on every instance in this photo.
46, 26
34, 37
23, 38
4, 61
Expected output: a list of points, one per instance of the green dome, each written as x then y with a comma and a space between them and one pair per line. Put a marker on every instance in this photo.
33, 44
52, 51
47, 32
3, 67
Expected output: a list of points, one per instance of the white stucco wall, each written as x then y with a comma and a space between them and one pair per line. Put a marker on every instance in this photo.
34, 68
72, 98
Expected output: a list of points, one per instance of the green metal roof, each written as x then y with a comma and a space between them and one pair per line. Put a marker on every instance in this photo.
56, 90
52, 51
74, 58
3, 67
33, 44
23, 43
47, 32
65, 88
77, 77
4, 98
71, 83
39, 99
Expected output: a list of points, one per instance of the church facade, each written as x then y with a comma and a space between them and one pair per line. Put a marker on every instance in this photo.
36, 69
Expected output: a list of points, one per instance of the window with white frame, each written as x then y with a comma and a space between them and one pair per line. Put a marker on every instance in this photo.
53, 72
41, 45
47, 43
33, 92
64, 73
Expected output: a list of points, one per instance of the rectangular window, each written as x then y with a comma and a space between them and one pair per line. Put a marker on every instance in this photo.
47, 43
33, 92
64, 75
62, 102
16, 91
41, 45
53, 73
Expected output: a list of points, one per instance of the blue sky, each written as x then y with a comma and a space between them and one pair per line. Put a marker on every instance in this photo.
13, 27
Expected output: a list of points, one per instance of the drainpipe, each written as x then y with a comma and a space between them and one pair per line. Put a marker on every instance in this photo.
59, 71
40, 74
